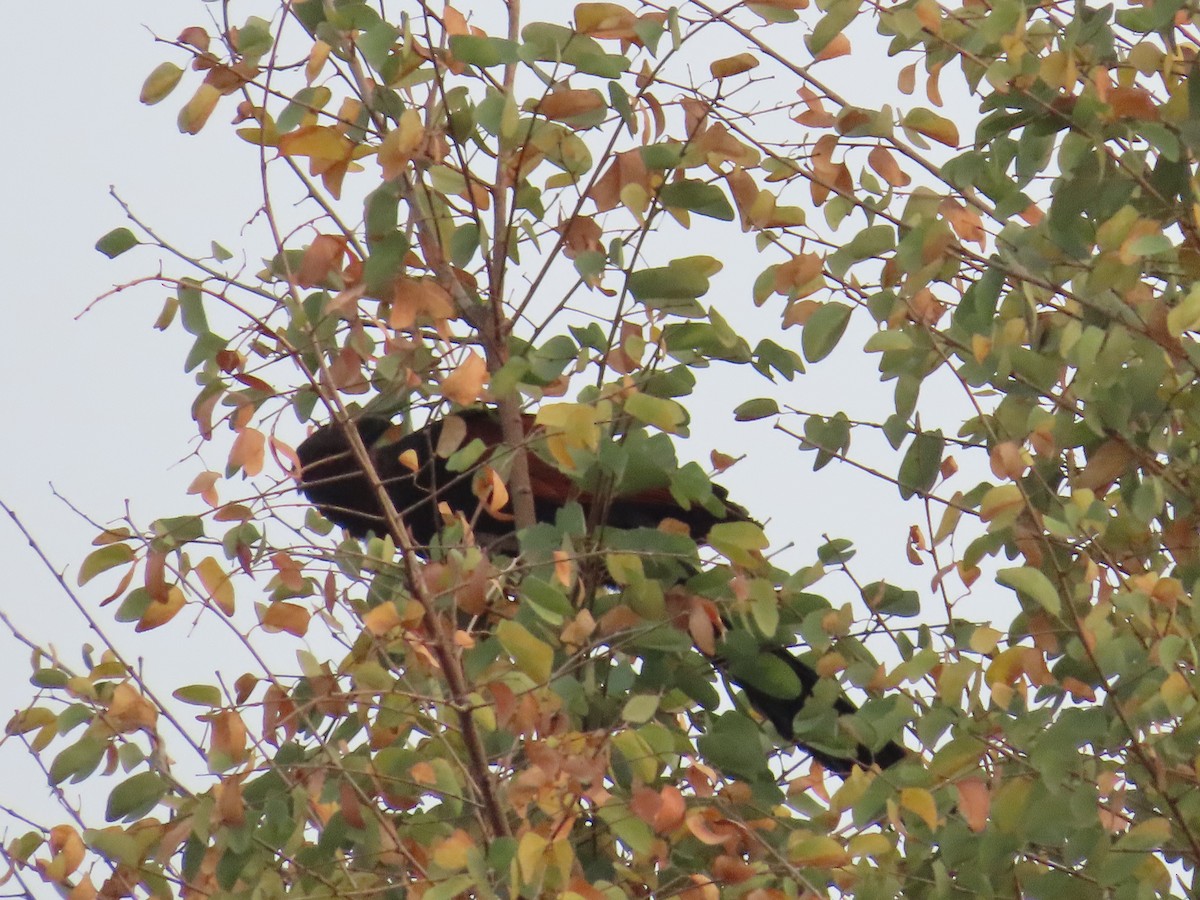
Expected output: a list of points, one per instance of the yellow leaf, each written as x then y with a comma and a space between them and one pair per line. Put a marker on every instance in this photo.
921, 802
382, 619
317, 142
160, 83
732, 65
604, 20
451, 853
216, 581
465, 384
400, 144
197, 110
821, 851
532, 656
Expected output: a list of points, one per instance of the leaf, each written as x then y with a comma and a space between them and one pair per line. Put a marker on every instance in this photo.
197, 110
640, 708
532, 656
740, 542
823, 330
1184, 316
248, 452
921, 464
759, 408
1034, 584
102, 560
466, 383
921, 802
159, 83
217, 582
117, 242
136, 796
819, 851
160, 612
479, 50
665, 415
698, 197
658, 287
930, 124
198, 695
733, 65
289, 617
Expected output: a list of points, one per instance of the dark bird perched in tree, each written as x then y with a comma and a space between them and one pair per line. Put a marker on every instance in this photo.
422, 487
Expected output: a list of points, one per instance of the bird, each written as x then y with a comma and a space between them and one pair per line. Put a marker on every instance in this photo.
425, 491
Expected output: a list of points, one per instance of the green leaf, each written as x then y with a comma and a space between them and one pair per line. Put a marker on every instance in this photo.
1034, 584
698, 197
479, 50
159, 83
198, 695
740, 542
254, 38
172, 533
1185, 316
891, 600
532, 656
116, 242
823, 330
665, 415
640, 708
671, 287
103, 559
77, 761
758, 408
136, 796
919, 469
734, 745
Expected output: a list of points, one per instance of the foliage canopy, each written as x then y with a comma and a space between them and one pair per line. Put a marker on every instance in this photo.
531, 214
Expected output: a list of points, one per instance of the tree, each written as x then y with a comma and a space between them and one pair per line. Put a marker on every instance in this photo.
486, 211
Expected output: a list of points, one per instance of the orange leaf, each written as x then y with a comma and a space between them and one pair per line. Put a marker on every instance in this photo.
382, 619
317, 142
466, 383
974, 802
130, 711
161, 612
419, 298
321, 258
881, 160
839, 45
229, 735
1105, 465
564, 104
248, 451
401, 144
204, 485
287, 617
1133, 103
66, 843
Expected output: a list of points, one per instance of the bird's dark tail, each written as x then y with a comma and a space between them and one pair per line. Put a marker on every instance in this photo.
781, 711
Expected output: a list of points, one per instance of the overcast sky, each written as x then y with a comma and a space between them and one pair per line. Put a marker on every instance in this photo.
98, 407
